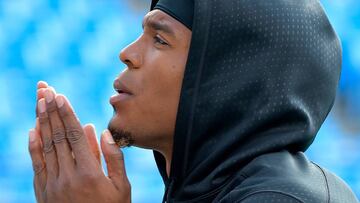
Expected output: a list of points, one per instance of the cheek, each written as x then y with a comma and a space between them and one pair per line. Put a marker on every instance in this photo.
162, 76
160, 94
159, 100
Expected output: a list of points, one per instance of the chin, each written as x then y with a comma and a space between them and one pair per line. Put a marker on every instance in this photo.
126, 133
122, 136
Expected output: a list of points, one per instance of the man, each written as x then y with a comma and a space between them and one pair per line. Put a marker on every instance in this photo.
228, 94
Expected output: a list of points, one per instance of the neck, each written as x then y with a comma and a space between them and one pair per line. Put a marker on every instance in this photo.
168, 164
166, 151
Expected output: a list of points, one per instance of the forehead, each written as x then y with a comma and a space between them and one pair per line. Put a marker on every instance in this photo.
157, 16
159, 20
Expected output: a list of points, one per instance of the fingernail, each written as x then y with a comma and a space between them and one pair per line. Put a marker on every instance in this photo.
42, 82
32, 137
59, 101
109, 139
41, 105
48, 95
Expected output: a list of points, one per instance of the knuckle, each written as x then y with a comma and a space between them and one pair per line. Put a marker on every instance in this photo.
51, 107
65, 183
38, 167
89, 178
48, 144
74, 135
58, 135
34, 147
116, 157
43, 118
65, 112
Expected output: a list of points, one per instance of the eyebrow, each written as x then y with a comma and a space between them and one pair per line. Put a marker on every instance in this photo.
158, 25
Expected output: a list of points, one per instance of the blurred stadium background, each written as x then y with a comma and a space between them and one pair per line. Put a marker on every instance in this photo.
74, 46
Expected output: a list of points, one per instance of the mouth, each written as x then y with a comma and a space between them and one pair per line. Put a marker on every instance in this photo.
123, 93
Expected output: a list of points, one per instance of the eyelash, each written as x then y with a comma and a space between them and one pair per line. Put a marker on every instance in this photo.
157, 39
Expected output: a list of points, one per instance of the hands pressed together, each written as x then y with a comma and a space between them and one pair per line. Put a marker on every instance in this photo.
66, 156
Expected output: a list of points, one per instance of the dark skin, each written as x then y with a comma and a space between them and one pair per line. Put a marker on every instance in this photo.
66, 155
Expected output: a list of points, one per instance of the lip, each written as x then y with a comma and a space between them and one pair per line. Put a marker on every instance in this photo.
120, 87
123, 92
119, 98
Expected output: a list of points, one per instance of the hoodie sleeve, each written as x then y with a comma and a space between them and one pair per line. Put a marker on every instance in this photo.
261, 196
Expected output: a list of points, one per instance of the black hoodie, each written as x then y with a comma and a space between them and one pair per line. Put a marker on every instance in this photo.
260, 79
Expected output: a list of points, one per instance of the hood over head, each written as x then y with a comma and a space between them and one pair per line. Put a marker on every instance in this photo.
261, 77
182, 10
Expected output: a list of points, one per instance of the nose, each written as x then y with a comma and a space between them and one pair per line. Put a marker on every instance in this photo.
131, 56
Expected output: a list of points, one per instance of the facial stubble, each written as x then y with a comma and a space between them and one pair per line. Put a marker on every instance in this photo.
121, 137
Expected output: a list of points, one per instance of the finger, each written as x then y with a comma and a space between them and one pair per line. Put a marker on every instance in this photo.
52, 89
37, 159
38, 164
37, 126
114, 160
39, 95
75, 133
90, 133
42, 84
40, 92
38, 133
63, 151
48, 147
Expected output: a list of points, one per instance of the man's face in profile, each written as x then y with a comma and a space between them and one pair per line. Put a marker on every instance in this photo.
149, 88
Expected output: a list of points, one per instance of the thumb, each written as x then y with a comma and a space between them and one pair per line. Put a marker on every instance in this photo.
89, 130
114, 160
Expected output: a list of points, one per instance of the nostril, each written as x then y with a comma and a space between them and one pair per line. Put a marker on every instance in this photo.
132, 60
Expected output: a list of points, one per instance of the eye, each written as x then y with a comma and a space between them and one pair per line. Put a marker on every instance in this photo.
158, 40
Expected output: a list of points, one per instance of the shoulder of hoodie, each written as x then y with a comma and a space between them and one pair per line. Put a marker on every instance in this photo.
285, 177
